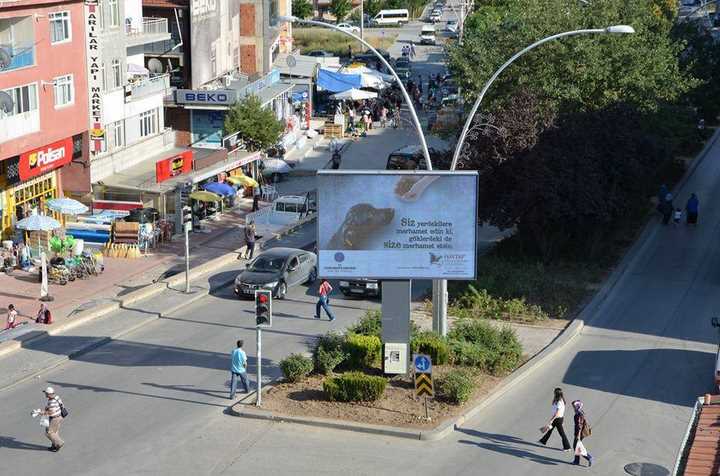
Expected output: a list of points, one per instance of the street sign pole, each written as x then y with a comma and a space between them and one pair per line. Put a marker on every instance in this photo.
187, 259
259, 365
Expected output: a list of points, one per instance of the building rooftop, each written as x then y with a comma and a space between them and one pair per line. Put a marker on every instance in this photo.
703, 445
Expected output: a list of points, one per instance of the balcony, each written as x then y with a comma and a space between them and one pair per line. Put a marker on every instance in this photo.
163, 48
19, 125
21, 56
149, 30
159, 84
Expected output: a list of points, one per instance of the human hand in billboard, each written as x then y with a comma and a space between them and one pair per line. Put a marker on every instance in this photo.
411, 188
361, 222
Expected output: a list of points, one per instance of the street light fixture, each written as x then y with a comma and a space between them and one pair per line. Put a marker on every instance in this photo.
440, 287
413, 113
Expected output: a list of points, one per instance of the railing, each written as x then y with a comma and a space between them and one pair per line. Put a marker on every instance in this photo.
19, 125
152, 85
163, 47
21, 56
148, 26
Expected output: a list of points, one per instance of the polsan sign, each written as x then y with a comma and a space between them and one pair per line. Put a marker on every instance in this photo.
220, 97
97, 131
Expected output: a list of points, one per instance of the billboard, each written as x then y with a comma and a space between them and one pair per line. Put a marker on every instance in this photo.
397, 224
215, 39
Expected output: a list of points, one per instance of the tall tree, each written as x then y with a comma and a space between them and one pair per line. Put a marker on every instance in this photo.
257, 125
586, 72
340, 9
302, 9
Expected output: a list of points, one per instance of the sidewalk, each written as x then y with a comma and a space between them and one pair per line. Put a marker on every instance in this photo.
121, 276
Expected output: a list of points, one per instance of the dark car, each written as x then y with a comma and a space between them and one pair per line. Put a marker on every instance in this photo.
361, 287
409, 157
277, 269
403, 68
319, 54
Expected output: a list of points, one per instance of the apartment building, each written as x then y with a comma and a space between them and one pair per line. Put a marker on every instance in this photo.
43, 105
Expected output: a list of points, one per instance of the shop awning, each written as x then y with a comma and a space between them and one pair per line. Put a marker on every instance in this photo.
337, 82
305, 66
271, 92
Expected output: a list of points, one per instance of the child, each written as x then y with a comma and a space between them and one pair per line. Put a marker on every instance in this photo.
11, 317
676, 216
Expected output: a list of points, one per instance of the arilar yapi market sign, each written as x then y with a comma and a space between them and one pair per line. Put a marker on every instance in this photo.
173, 166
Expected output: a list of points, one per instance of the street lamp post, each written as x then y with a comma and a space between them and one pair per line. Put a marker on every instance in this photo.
440, 289
409, 102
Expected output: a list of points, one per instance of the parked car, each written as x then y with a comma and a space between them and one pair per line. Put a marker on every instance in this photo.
283, 211
409, 157
349, 28
452, 26
277, 269
361, 287
427, 35
319, 54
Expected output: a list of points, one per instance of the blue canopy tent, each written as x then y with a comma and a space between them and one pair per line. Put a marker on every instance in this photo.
337, 82
220, 189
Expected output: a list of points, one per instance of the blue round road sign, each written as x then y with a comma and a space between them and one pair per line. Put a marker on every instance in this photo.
422, 363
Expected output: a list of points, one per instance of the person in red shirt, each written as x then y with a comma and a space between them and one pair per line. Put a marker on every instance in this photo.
323, 301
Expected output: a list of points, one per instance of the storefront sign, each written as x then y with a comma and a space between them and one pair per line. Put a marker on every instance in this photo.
95, 81
173, 166
44, 159
220, 97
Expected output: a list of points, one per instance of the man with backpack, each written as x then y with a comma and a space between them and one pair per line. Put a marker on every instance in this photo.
56, 412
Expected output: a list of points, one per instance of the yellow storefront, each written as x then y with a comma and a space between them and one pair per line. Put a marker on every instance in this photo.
19, 201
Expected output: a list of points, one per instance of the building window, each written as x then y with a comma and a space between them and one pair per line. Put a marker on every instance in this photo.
100, 15
60, 27
64, 90
118, 134
114, 12
102, 76
24, 100
116, 74
148, 123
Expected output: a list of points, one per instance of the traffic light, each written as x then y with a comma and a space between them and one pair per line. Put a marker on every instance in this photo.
263, 308
187, 218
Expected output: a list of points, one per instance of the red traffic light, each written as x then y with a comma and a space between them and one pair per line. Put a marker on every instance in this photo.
262, 298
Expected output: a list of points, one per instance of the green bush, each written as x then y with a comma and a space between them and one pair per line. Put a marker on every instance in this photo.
469, 354
329, 352
362, 351
480, 344
354, 387
478, 303
432, 344
296, 367
456, 386
369, 325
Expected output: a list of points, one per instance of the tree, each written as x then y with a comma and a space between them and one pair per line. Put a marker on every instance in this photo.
302, 9
372, 7
258, 127
340, 9
584, 72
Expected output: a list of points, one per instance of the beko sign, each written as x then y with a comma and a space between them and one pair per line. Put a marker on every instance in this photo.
219, 97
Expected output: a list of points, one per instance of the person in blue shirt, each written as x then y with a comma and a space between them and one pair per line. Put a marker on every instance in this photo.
692, 207
238, 369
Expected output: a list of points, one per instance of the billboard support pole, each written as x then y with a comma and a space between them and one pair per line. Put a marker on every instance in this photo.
395, 309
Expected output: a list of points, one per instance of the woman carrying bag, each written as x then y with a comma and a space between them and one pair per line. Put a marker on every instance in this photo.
556, 421
582, 430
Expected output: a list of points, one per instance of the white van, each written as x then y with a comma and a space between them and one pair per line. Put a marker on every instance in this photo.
391, 17
427, 35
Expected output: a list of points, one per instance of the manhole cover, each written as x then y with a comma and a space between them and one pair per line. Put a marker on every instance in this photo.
646, 469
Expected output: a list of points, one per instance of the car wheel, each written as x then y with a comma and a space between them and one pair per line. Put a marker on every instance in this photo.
312, 276
281, 290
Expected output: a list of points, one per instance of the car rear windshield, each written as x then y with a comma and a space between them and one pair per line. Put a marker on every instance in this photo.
266, 263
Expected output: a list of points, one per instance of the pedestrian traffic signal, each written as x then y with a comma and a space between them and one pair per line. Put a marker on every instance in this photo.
263, 308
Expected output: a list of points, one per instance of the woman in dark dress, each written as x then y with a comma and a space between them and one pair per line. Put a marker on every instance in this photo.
581, 430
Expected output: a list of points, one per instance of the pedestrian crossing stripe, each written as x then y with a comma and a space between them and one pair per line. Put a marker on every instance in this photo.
423, 385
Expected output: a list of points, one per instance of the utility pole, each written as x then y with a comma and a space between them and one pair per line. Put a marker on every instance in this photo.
362, 18
187, 225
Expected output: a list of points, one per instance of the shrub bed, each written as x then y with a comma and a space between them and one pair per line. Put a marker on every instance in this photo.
369, 325
296, 367
354, 387
432, 344
362, 351
481, 345
455, 386
329, 352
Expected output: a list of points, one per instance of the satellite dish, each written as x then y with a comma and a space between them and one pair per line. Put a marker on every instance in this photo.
291, 61
5, 58
155, 66
6, 102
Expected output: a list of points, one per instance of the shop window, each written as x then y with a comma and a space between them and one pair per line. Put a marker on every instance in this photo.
148, 123
64, 90
24, 99
114, 7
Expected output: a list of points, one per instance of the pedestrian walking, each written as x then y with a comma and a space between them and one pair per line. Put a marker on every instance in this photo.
238, 369
44, 316
667, 208
249, 240
556, 420
383, 116
412, 50
582, 431
256, 197
323, 300
12, 315
55, 411
692, 207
